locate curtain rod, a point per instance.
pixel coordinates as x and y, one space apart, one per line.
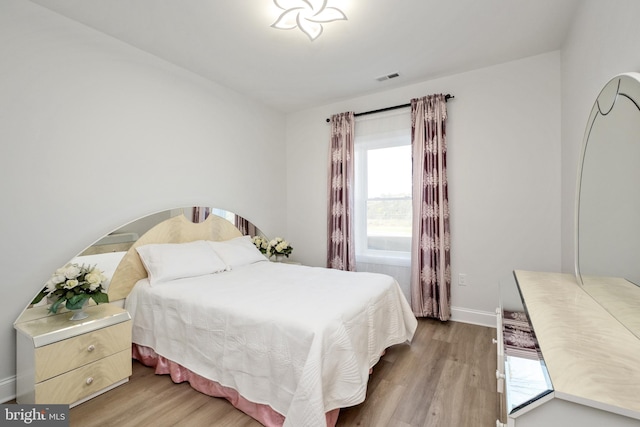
446 98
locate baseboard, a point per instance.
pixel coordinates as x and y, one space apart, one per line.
7 389
475 317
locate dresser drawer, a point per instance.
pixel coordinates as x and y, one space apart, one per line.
63 356
84 381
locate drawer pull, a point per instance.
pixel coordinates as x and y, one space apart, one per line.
499 424
91 348
499 376
89 380
493 340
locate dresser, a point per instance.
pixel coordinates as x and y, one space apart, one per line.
60 361
563 360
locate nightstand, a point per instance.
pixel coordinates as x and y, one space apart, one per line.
60 361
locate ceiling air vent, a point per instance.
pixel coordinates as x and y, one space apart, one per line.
387 77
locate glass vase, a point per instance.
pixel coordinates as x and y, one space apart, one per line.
79 314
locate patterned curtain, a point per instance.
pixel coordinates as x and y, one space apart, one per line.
430 251
245 226
200 214
340 241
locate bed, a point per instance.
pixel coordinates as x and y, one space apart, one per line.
288 344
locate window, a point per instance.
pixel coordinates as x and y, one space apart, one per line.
383 188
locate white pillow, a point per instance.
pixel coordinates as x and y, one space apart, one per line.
238 251
170 261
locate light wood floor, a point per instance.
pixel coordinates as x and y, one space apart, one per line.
446 378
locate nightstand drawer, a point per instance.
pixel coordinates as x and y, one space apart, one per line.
63 356
82 382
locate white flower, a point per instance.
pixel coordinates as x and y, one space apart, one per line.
94 277
83 279
308 15
279 246
72 271
71 283
50 286
58 278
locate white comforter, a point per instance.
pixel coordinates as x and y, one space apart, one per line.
299 339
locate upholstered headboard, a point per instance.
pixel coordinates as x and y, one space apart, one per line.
174 230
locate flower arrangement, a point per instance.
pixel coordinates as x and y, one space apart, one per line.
261 243
279 246
73 285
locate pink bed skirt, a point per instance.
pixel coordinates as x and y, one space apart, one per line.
263 413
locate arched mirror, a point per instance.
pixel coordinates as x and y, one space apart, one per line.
107 251
608 202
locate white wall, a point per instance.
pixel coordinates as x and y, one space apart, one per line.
504 174
95 133
604 42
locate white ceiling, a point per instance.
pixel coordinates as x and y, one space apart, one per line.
232 43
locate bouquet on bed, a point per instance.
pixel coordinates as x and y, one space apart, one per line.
279 246
73 285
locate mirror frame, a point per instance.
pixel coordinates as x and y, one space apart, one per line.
606 96
189 212
619 296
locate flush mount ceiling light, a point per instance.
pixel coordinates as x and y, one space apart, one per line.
308 15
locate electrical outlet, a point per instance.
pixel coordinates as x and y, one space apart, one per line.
462 279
